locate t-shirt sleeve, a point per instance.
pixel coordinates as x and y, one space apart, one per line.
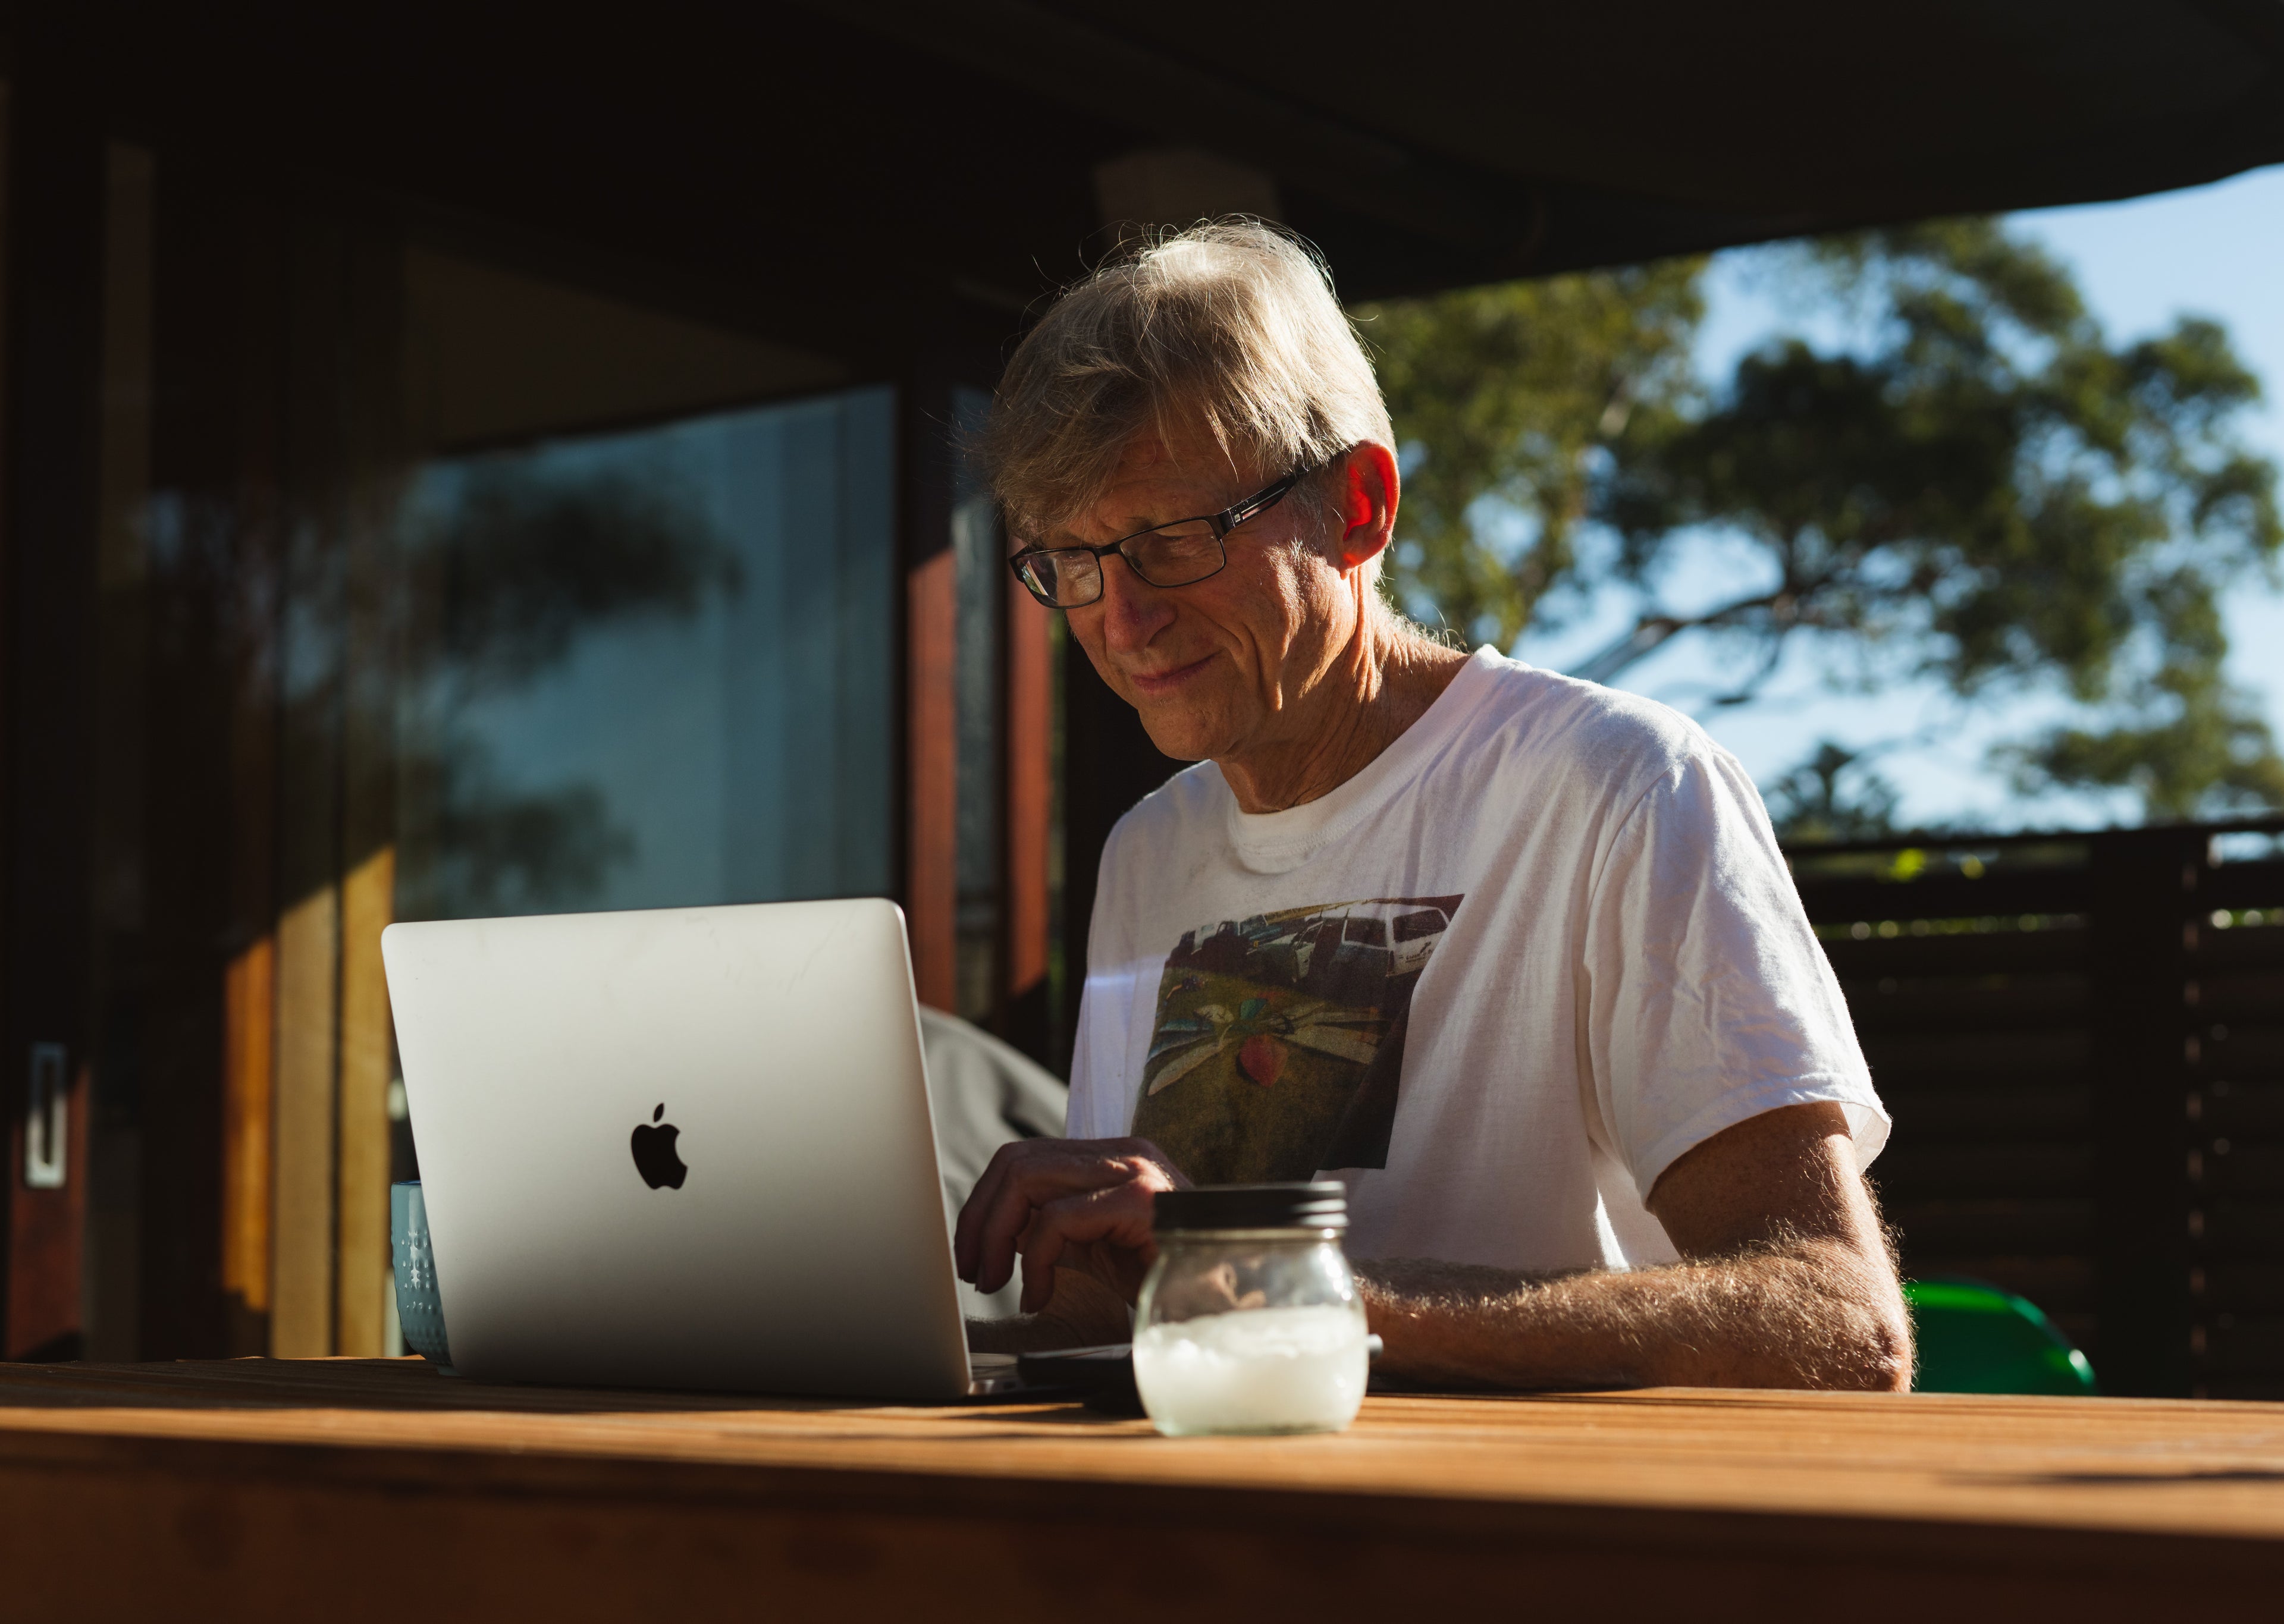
1706 999
1102 1078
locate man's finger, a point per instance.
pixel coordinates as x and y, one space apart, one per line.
968 1237
1118 1216
1002 1218
1046 1170
997 1231
1013 1166
1041 1245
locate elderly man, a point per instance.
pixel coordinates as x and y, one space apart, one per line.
1514 957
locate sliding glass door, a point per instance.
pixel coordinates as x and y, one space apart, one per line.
651 667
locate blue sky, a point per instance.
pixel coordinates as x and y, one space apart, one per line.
2210 250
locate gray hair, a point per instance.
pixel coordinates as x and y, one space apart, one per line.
1230 325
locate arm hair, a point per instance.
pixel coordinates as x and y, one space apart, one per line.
1788 1311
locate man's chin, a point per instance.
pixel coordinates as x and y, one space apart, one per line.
1186 738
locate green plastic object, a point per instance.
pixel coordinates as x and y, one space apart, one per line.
1974 1338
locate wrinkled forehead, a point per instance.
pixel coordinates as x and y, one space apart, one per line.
1159 478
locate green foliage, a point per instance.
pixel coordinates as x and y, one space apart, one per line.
1973 486
2194 743
1505 392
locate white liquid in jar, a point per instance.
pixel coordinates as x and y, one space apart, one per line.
1299 1369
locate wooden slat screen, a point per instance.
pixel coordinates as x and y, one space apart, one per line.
2081 1038
2236 1155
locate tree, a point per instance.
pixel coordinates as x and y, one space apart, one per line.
1970 484
1833 796
1506 394
522 562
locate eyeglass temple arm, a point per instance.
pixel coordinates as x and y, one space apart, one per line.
1230 519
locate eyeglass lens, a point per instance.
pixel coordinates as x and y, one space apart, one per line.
1063 578
1174 557
1177 556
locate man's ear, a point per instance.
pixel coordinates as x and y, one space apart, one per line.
1368 491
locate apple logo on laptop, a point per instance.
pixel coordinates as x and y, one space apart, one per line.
655 1158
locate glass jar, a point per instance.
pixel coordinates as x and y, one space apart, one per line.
1250 1321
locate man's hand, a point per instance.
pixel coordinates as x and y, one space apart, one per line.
1070 1204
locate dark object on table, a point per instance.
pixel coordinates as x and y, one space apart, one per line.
1102 1377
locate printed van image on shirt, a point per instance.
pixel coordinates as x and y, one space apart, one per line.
1279 1039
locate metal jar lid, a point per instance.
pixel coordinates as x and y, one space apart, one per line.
1323 1204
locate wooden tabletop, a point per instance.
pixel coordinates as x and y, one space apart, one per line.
257 1487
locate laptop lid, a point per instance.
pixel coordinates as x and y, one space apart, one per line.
683 1147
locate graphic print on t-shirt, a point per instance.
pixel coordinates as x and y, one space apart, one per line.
1279 1039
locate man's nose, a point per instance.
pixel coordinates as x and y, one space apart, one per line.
1133 611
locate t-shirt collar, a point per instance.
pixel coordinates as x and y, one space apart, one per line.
1276 842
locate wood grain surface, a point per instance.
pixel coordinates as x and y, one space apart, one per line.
349 1488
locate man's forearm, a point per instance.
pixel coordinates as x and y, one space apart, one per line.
1803 1313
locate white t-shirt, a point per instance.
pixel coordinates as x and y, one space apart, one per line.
1496 982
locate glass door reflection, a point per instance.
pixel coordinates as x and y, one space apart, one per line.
651 667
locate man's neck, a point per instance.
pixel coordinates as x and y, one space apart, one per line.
1382 682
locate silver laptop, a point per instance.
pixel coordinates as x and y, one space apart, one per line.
685 1148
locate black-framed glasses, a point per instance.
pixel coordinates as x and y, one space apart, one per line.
1174 555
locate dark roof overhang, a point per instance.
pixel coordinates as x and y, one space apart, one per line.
851 154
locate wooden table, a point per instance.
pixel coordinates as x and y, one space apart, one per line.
352 1490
